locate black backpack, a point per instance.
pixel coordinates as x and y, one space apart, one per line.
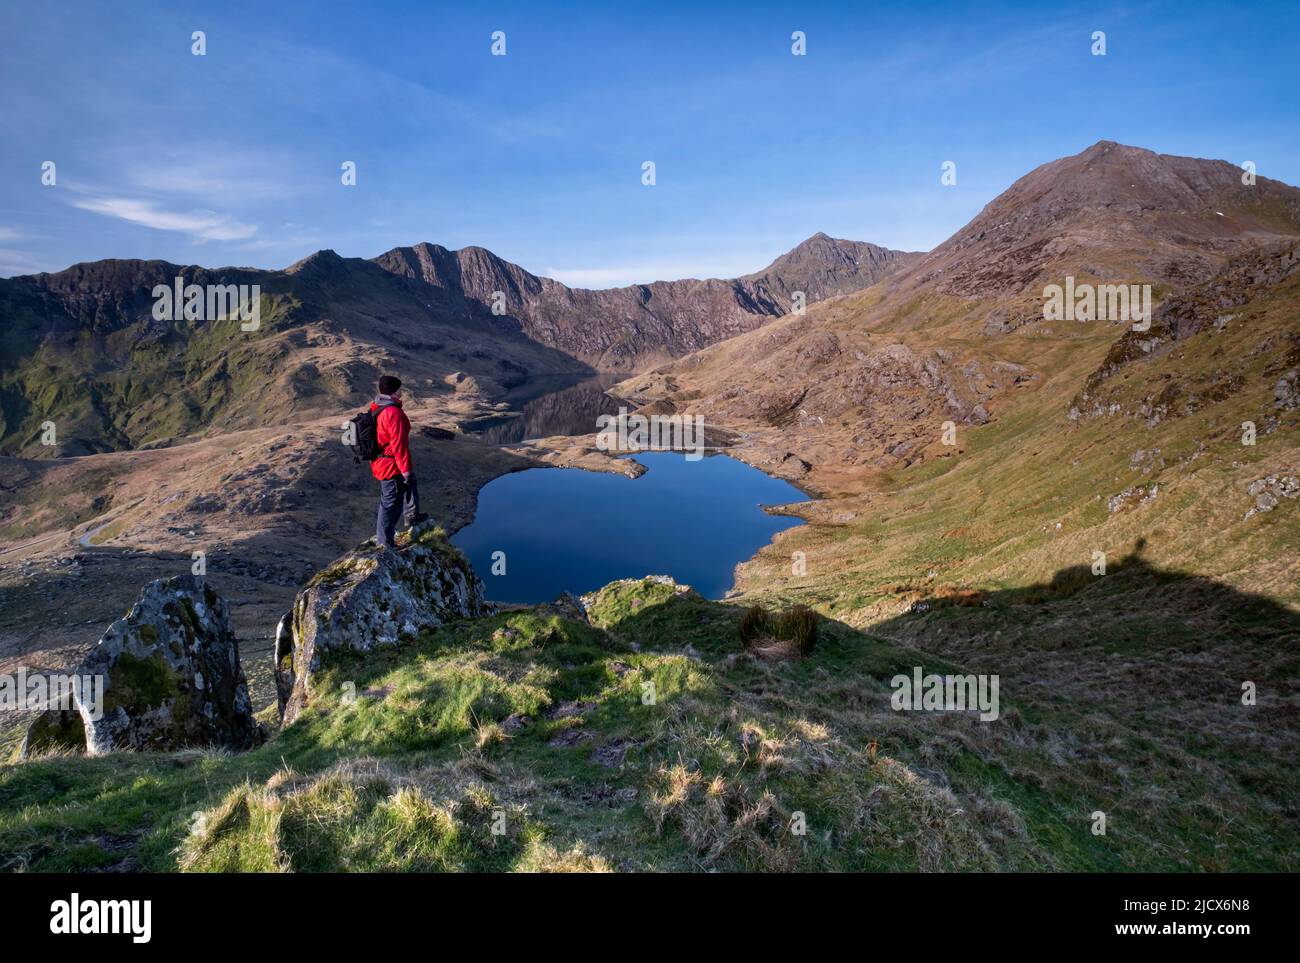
365 429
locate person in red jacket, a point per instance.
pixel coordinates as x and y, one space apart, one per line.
398 492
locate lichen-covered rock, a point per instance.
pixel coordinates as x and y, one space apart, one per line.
171 675
370 598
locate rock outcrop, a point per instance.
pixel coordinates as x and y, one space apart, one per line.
166 676
371 598
1218 310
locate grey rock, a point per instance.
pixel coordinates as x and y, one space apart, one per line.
1270 490
1287 390
1138 494
283 662
374 598
171 678
516 722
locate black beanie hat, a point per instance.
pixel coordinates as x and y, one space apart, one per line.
388 384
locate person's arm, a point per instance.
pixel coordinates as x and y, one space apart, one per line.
399 447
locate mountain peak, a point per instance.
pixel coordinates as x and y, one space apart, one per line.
831 259
819 241
325 259
1114 210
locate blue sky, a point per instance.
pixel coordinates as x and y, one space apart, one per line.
234 157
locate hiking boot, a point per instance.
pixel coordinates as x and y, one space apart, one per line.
416 521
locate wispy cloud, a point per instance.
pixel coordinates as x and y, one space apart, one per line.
232 173
202 225
13 263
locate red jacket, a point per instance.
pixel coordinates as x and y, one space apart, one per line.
393 430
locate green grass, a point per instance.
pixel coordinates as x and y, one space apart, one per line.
127 387
650 741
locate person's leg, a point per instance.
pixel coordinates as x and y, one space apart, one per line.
390 506
405 523
411 501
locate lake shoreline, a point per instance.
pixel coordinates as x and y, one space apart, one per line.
700 530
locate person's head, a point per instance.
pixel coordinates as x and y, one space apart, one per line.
389 385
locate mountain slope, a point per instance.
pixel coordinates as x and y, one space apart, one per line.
81 349
1111 211
1050 422
868 380
824 267
1113 532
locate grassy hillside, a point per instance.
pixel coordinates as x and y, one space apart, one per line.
1119 441
81 349
540 725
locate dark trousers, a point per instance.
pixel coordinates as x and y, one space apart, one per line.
396 498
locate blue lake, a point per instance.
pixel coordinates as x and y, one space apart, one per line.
565 529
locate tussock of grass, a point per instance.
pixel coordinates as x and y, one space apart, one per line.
362 815
786 635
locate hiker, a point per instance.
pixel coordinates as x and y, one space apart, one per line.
398 492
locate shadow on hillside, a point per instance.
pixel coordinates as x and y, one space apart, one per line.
1135 608
1169 696
1157 669
1147 655
1171 603
1130 588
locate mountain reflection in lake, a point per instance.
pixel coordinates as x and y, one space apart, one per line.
564 529
553 406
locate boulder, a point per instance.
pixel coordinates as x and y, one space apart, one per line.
372 598
170 675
